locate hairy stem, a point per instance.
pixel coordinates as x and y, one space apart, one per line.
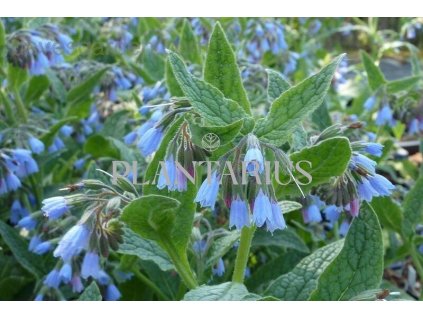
241 260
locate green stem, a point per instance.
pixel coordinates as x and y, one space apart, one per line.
20 106
182 265
417 264
150 284
7 108
241 260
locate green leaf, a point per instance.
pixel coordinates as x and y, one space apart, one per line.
80 93
99 146
272 269
404 84
151 216
16 76
48 137
294 105
225 134
31 262
13 277
359 265
185 213
388 212
188 44
374 74
302 280
286 238
56 85
171 82
221 246
91 293
321 118
36 87
206 99
328 158
147 250
413 208
221 69
276 85
289 206
3 48
226 291
35 23
299 138
153 64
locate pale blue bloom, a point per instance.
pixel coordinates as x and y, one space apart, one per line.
373 148
254 160
55 207
90 265
53 279
262 210
27 222
219 268
36 145
370 102
207 194
239 215
112 293
277 222
66 273
73 242
43 248
385 116
150 141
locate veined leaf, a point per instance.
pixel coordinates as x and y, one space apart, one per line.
276 84
188 44
413 208
374 74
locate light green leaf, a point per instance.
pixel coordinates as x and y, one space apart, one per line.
359 265
3 48
221 69
188 44
328 158
153 64
16 76
91 293
374 74
171 82
413 208
321 118
206 99
404 84
302 280
289 206
56 85
225 134
36 87
99 146
388 212
272 269
48 137
226 291
276 85
82 91
147 250
31 262
221 246
151 216
283 238
294 105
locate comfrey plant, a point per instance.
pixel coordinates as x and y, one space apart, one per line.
181 177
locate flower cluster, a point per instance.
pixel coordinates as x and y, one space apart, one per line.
38 50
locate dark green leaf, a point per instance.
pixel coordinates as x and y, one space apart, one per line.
294 105
188 44
225 291
285 238
221 69
413 208
359 265
36 87
82 91
276 85
388 212
99 146
374 74
91 293
19 248
171 82
302 280
147 250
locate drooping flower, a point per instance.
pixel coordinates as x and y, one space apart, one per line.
262 210
370 102
36 145
112 293
27 222
277 222
66 273
17 211
150 141
73 242
53 279
254 160
331 213
239 215
167 177
385 116
311 214
35 240
55 207
219 268
90 265
374 149
43 248
76 283
207 194
382 185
